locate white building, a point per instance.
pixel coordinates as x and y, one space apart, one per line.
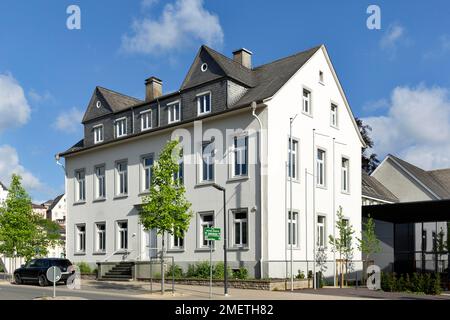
57 212
106 172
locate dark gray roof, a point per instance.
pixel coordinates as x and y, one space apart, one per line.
55 202
438 181
262 82
373 188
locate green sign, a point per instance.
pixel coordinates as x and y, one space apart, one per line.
212 234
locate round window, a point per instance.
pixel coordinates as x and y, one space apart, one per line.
204 67
99 104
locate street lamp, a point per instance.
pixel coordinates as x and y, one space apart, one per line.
225 244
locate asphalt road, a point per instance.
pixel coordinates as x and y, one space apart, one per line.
29 292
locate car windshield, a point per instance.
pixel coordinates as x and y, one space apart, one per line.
31 263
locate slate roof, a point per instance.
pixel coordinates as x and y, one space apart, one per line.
55 202
3 186
373 188
262 82
438 181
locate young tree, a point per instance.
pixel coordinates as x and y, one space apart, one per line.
370 161
22 232
368 243
166 209
342 244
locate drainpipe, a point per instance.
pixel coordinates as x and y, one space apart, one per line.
260 148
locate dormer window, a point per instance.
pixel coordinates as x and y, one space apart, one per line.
174 111
98 133
121 127
203 103
146 120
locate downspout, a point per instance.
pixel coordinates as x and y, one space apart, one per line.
261 187
334 210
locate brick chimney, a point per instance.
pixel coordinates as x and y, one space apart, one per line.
244 57
153 88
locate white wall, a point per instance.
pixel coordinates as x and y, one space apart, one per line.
285 104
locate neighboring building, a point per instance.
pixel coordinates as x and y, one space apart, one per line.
3 193
57 212
40 209
374 192
407 244
108 171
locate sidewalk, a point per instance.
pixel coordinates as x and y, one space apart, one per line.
189 292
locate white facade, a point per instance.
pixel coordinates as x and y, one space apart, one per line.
58 213
339 139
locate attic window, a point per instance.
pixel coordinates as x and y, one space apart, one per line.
321 76
99 104
204 67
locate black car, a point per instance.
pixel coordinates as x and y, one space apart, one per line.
36 271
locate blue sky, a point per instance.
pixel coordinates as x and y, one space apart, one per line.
395 78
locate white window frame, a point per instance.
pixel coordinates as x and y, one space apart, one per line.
98 133
177 243
345 175
334 115
295 222
100 182
307 99
240 152
120 231
202 225
80 185
321 163
321 241
80 241
295 155
118 123
199 103
171 112
240 222
144 170
119 175
146 120
211 176
180 174
100 237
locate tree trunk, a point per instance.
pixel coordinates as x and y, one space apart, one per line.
162 264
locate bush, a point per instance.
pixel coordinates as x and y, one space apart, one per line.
426 283
201 270
300 275
174 270
219 271
84 267
241 273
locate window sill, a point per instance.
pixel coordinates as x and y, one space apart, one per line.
175 250
79 254
203 114
322 83
204 184
334 127
99 200
78 203
237 179
99 253
124 251
307 114
345 192
293 180
321 187
172 122
238 249
204 249
143 193
123 196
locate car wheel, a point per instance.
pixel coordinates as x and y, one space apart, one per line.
42 280
18 279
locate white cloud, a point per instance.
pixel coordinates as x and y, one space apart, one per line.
40 97
14 108
442 49
392 36
180 24
69 122
146 4
416 126
9 164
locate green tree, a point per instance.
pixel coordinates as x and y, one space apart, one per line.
22 232
342 244
368 244
166 208
369 161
